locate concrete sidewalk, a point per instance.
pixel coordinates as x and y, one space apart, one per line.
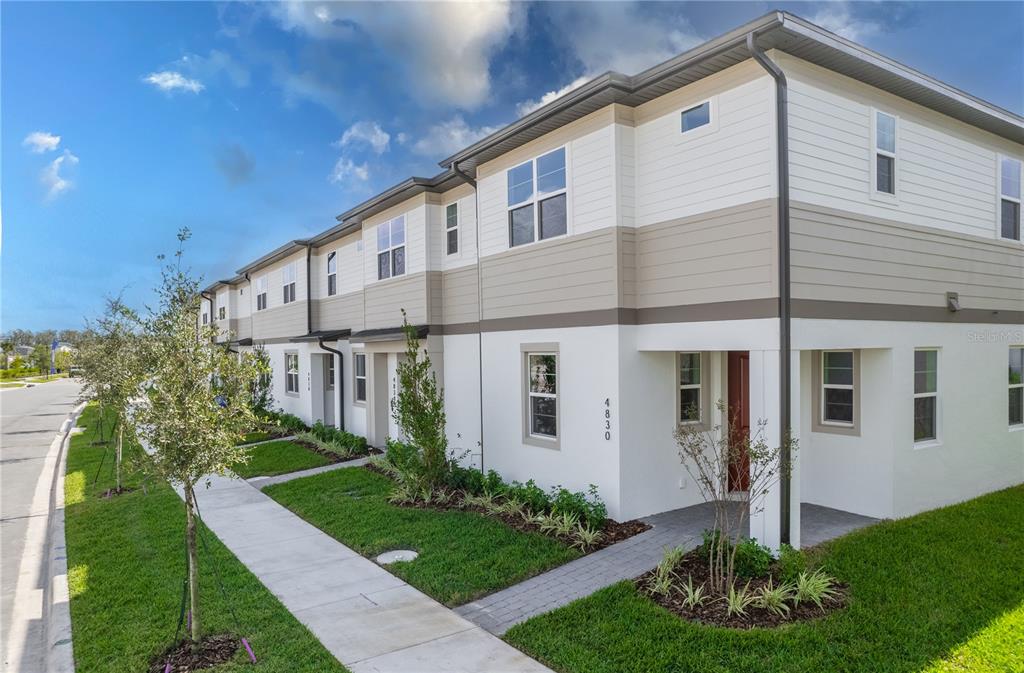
263 482
366 617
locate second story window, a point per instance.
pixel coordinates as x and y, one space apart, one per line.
221 313
261 293
391 248
885 153
696 117
451 227
1009 198
537 199
288 274
332 274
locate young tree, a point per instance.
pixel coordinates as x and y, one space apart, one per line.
709 457
62 360
7 347
418 407
199 402
120 368
40 358
95 361
262 390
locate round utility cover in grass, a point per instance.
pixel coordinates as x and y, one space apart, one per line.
396 555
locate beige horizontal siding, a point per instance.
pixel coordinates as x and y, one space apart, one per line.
459 296
339 312
386 299
577 273
288 320
723 255
842 256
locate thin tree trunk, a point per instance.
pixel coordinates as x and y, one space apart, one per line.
193 564
120 444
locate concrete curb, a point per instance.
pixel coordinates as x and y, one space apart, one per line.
60 656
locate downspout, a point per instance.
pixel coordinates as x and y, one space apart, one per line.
785 385
479 305
309 290
252 309
205 295
338 380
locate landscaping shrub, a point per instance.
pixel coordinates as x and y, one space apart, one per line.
493 483
752 559
587 506
531 495
405 457
791 563
466 479
348 443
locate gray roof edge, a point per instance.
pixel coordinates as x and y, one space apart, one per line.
274 255
762 26
417 184
819 34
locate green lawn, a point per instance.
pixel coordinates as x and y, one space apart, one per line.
463 555
255 436
11 384
936 593
278 458
126 565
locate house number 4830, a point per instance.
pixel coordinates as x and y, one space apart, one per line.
607 419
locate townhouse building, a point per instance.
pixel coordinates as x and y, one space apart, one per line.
822 239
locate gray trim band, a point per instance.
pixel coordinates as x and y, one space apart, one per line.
846 310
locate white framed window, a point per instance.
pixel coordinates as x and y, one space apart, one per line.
391 248
837 388
261 293
206 318
691 397
541 398
332 274
330 372
884 166
695 117
451 228
222 312
1016 390
288 275
359 375
926 395
537 199
1009 198
291 373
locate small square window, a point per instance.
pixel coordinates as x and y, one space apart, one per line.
696 117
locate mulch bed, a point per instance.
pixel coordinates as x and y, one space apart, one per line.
111 492
612 532
713 611
212 651
331 455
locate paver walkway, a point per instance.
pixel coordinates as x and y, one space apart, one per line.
502 610
366 617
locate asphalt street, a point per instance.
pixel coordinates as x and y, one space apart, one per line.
29 420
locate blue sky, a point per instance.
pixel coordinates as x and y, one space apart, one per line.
254 124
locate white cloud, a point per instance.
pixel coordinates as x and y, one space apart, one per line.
41 141
209 67
838 17
444 47
51 177
448 137
369 133
345 168
528 106
625 37
402 138
169 81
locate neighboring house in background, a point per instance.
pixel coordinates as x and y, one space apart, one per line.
845 260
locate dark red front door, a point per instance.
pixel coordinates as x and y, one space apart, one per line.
739 418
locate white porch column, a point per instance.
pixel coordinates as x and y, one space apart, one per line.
795 424
766 511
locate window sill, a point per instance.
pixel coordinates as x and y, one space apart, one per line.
1016 428
927 444
532 440
522 246
359 403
